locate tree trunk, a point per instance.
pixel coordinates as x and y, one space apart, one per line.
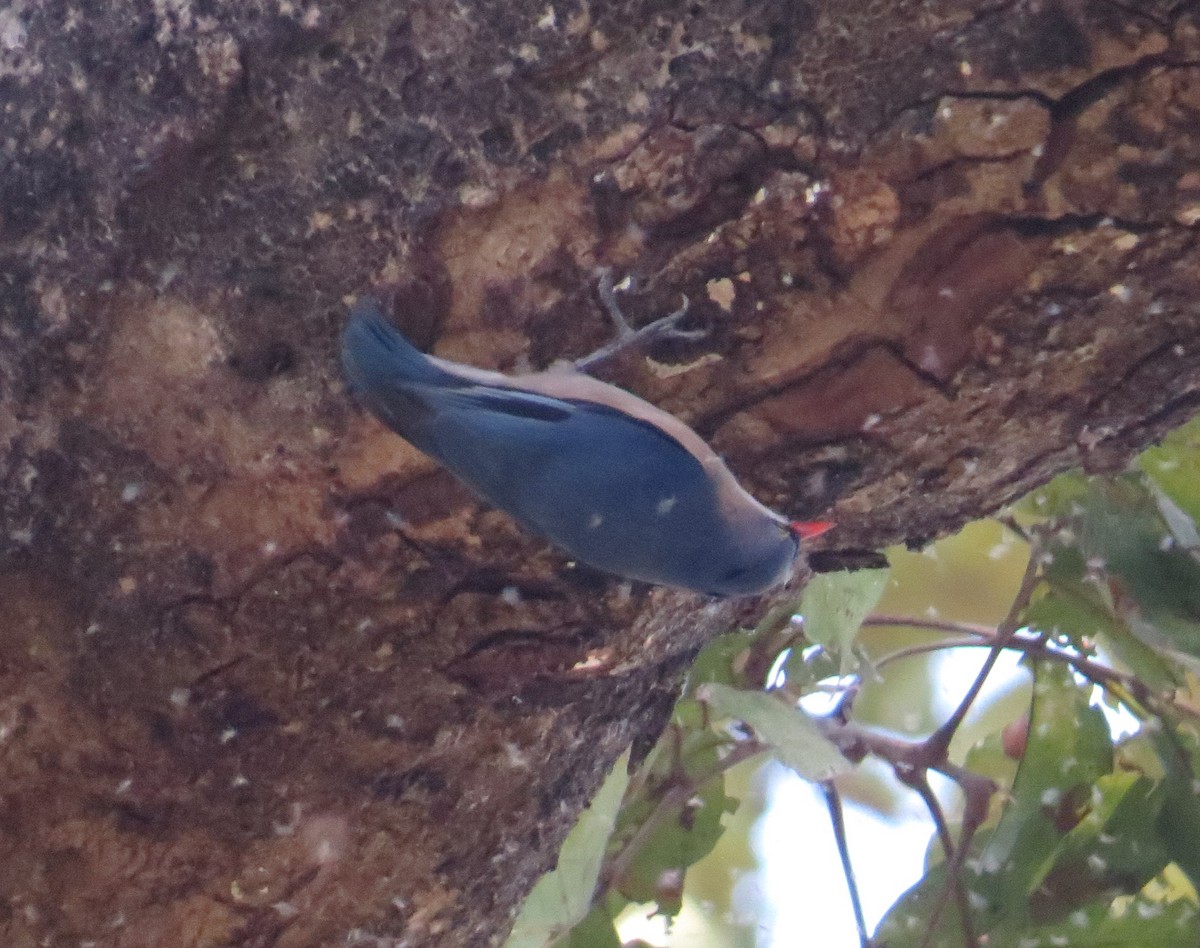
267 675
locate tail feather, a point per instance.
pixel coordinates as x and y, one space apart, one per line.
377 358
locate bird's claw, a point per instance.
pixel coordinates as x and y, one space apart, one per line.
665 328
608 297
668 326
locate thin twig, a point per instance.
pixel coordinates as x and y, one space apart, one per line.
833 800
935 625
954 857
934 750
938 743
925 648
911 761
1036 646
1006 520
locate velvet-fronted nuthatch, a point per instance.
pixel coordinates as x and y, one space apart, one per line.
614 481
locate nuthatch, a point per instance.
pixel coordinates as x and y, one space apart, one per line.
617 483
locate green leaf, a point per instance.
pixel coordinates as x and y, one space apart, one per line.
1179 753
597 930
689 753
1009 874
1125 551
795 739
1158 585
1115 848
1059 498
1172 466
1069 748
718 661
805 669
1137 921
1079 610
988 759
1182 526
1125 923
907 921
683 838
835 605
563 896
1069 609
1099 561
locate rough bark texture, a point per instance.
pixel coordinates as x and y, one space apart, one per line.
267 677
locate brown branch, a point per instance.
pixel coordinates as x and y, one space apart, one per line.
935 625
1123 685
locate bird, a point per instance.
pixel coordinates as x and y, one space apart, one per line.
604 475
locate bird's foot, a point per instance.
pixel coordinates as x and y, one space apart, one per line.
665 328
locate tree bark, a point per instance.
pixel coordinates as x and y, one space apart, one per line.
267 676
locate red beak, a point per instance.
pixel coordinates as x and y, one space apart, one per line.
807 529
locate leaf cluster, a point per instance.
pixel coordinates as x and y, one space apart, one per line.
1074 831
